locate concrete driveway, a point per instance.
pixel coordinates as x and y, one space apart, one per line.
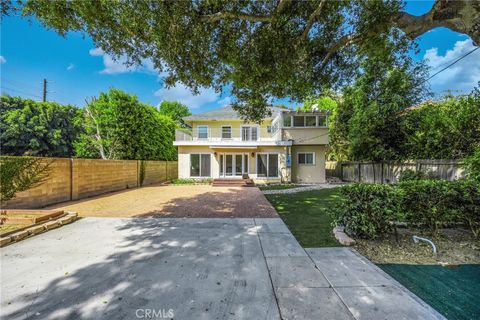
127 268
181 201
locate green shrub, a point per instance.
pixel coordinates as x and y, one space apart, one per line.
467 202
409 175
20 174
431 203
366 210
472 166
192 181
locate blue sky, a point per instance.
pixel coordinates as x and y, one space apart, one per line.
76 70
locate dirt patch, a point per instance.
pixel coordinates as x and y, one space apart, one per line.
196 201
455 246
10 227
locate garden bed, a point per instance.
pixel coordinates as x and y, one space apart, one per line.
454 246
278 186
17 225
27 217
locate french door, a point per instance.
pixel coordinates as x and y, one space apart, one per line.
233 165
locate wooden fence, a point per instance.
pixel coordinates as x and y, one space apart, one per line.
74 179
389 171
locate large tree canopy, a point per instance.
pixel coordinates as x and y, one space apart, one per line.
262 49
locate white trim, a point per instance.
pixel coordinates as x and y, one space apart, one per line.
200 165
198 132
278 176
305 153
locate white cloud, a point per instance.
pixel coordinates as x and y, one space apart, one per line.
112 66
71 66
184 95
2 60
225 101
463 76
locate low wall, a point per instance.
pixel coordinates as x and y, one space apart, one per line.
74 179
389 171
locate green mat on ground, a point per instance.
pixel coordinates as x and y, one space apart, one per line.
452 291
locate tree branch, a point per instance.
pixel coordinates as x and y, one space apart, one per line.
461 16
312 19
342 42
234 15
282 4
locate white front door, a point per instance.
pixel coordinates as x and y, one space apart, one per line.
233 165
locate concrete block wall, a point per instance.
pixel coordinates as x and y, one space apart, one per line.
74 179
55 189
155 172
92 176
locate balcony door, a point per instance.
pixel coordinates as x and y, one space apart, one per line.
233 165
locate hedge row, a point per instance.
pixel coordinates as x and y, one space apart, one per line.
369 210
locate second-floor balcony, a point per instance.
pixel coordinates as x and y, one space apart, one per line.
228 134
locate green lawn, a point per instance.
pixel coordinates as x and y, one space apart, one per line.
305 214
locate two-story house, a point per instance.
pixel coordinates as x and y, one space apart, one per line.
289 146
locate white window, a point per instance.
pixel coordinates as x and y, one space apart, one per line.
226 132
322 121
298 121
249 133
287 121
202 132
310 121
267 165
306 158
200 165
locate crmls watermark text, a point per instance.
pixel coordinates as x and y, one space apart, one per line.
154 313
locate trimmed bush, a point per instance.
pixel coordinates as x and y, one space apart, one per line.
430 203
467 203
367 210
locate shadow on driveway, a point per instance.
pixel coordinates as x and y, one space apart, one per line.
114 268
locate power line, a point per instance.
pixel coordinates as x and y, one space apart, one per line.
21 92
451 64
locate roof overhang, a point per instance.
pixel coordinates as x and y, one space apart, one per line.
234 144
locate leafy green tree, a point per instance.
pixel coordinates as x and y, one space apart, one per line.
35 128
118 126
262 49
175 110
446 129
377 96
20 174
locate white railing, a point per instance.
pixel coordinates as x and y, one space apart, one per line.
234 134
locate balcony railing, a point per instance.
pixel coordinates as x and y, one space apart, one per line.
223 134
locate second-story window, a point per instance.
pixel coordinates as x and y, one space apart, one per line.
287 121
299 121
249 133
226 132
202 132
310 121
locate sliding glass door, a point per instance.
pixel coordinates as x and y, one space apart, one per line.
200 165
267 165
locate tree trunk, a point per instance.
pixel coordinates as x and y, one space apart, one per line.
460 15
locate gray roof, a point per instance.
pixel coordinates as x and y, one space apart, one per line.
225 113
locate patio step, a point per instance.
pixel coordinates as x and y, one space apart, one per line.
233 183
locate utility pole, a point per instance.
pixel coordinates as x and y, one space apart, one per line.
44 90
